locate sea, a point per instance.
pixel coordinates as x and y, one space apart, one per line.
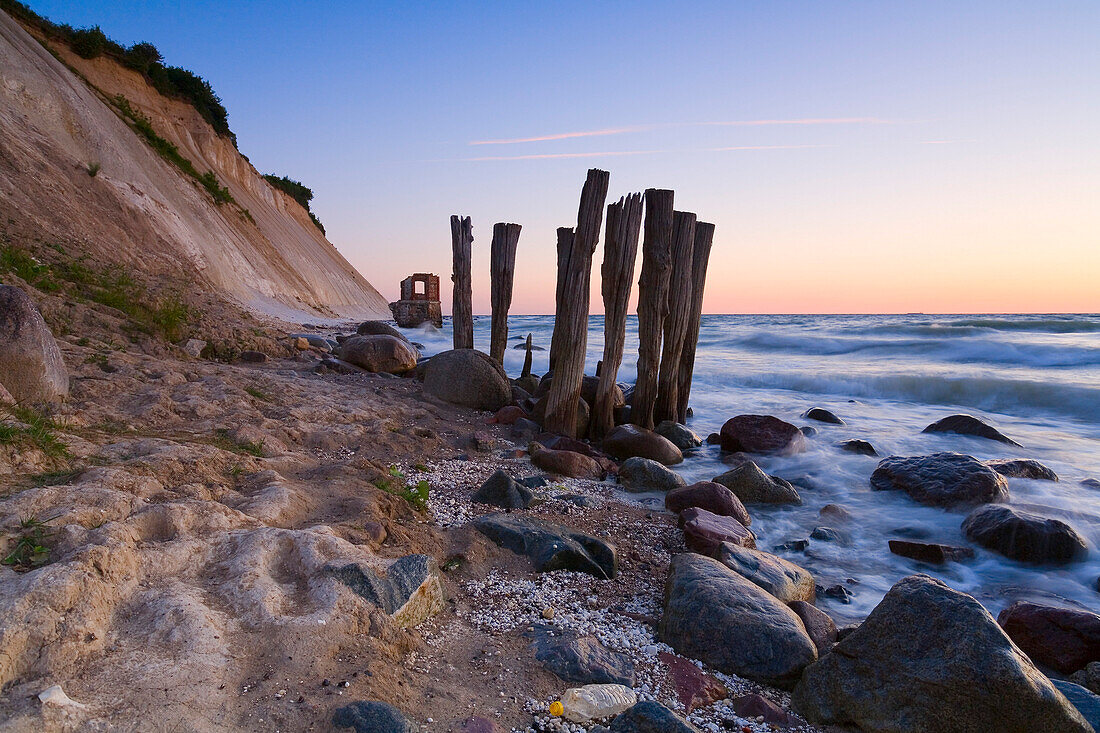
1034 377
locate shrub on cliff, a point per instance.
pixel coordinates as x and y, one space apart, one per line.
88 43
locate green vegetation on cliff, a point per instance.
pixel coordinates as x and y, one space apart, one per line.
297 191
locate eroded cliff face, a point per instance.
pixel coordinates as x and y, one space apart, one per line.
140 210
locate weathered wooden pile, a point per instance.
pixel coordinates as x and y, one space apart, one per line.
675 253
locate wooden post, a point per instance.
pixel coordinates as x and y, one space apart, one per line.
462 309
527 359
652 301
624 223
565 245
502 268
676 322
704 236
572 317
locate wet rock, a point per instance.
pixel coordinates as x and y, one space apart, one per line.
565 462
714 439
718 617
758 706
1063 639
827 534
678 434
793 546
929 658
835 511
761 434
1091 483
1022 535
1022 468
839 592
579 660
968 425
503 491
822 415
561 442
808 430
410 591
252 357
752 486
550 546
379 328
694 688
941 479
469 378
643 474
782 579
715 498
379 354
1086 702
819 625
860 447
373 717
1089 677
649 716
631 441
583 413
930 552
508 415
31 367
704 532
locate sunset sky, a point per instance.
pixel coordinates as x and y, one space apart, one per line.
854 157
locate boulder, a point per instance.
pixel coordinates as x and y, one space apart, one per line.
860 447
758 707
379 354
941 479
968 425
678 434
550 546
694 688
523 430
650 716
508 415
819 625
503 491
929 658
1089 677
704 532
469 378
1022 535
565 462
1086 702
1091 483
752 486
579 660
643 474
1022 468
822 415
528 384
630 441
715 498
373 717
761 434
782 579
410 591
930 552
1063 639
538 413
31 367
808 430
718 617
379 328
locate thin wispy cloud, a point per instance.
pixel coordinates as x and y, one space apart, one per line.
614 153
670 125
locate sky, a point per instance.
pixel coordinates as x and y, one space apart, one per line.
855 157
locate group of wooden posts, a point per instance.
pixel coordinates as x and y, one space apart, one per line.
675 252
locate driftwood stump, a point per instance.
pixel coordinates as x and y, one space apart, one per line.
565 246
676 322
624 223
502 269
704 236
527 359
652 301
462 309
572 317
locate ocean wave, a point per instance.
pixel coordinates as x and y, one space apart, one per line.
989 393
1047 325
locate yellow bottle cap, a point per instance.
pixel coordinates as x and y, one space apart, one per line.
556 708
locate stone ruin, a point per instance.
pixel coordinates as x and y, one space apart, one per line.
419 301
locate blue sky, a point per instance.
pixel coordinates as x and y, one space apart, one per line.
934 156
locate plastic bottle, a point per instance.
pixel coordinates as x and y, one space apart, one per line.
592 702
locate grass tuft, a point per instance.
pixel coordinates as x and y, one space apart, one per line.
30 550
416 494
30 429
